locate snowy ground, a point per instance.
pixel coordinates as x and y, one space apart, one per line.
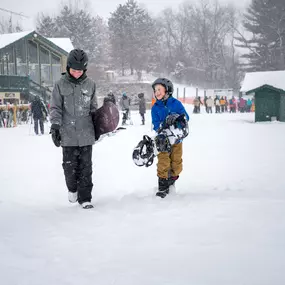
225 226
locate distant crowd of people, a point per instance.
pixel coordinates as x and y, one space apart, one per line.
222 104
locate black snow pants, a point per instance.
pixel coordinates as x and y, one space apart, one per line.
143 118
77 166
36 125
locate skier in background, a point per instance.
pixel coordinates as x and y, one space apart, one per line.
39 112
125 103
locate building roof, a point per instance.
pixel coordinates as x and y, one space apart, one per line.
254 80
7 39
64 43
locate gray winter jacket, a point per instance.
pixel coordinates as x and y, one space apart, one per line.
125 103
142 106
71 106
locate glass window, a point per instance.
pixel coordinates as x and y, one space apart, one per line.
56 68
11 60
1 63
21 58
45 67
33 62
8 58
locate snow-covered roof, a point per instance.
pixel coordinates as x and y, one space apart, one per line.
6 39
63 43
255 80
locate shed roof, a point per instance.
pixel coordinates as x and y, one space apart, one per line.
265 86
255 80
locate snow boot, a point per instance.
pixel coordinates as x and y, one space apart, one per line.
163 187
172 180
87 205
72 197
171 183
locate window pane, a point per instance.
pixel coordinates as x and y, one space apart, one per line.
33 62
21 58
45 67
56 68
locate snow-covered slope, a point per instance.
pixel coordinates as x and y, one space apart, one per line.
225 226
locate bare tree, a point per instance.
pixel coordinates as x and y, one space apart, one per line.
197 42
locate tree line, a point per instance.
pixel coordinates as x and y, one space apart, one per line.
203 43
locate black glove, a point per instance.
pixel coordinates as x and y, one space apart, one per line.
171 119
55 134
162 143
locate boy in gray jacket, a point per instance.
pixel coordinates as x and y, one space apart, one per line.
72 104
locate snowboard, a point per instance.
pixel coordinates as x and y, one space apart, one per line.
105 119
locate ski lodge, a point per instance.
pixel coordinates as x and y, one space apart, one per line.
30 64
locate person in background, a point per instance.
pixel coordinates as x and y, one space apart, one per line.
110 97
39 112
210 104
125 103
217 104
142 106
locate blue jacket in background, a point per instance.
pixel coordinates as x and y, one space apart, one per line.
161 109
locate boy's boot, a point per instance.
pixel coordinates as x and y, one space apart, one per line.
171 183
163 187
172 180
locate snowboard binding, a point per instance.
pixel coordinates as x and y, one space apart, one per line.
173 130
144 152
175 127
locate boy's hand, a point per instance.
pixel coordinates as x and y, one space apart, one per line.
162 143
170 120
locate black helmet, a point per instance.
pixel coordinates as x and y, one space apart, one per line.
77 59
164 82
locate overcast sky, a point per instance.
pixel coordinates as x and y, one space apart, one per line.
101 7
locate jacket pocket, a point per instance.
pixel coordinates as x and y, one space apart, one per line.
84 103
68 100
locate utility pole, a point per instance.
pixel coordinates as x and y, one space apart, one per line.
14 13
11 14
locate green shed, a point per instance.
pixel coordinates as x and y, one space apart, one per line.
269 103
268 90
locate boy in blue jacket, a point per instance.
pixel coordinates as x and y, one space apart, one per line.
164 112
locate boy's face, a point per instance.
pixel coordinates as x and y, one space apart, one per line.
159 91
75 73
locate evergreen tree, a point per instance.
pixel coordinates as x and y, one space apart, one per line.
47 26
132 33
265 21
84 30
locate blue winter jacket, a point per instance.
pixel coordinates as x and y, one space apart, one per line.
161 109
